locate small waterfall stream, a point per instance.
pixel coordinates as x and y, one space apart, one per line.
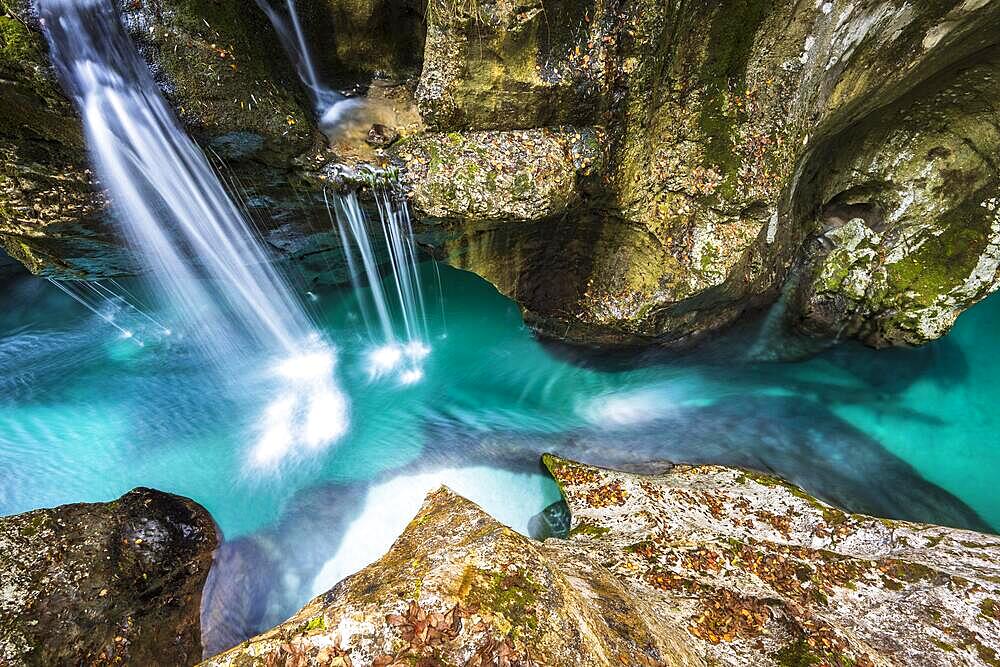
204 259
394 351
330 106
403 349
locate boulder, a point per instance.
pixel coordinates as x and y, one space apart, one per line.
105 583
458 588
758 572
688 565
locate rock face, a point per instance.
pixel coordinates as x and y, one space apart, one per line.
105 583
759 573
694 566
734 131
458 588
214 62
49 210
629 172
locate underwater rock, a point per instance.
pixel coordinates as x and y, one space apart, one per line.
692 566
462 589
758 572
105 583
553 521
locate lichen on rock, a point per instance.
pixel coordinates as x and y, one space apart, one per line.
458 588
760 573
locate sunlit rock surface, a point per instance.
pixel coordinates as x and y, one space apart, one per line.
758 572
459 588
105 583
730 128
693 566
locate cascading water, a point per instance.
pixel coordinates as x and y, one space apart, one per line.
330 106
201 255
394 349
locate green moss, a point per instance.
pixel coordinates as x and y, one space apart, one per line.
18 45
318 623
944 646
990 609
943 262
512 594
584 528
798 654
734 26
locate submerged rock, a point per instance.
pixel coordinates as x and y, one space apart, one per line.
693 566
105 583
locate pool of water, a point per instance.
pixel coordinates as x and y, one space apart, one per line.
86 413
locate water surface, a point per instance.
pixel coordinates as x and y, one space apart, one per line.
86 414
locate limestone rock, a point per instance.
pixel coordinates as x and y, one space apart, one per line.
221 66
105 583
726 125
758 572
512 64
926 191
458 588
471 178
697 565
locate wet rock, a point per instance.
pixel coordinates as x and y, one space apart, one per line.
382 135
910 231
105 583
553 521
758 572
458 588
220 64
50 210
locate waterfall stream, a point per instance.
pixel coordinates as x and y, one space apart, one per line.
330 106
203 259
394 350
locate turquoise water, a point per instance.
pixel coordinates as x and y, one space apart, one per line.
86 414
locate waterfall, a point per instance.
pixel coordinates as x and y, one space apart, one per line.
201 256
380 296
330 106
402 350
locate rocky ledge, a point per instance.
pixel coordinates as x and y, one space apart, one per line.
106 583
628 172
693 566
